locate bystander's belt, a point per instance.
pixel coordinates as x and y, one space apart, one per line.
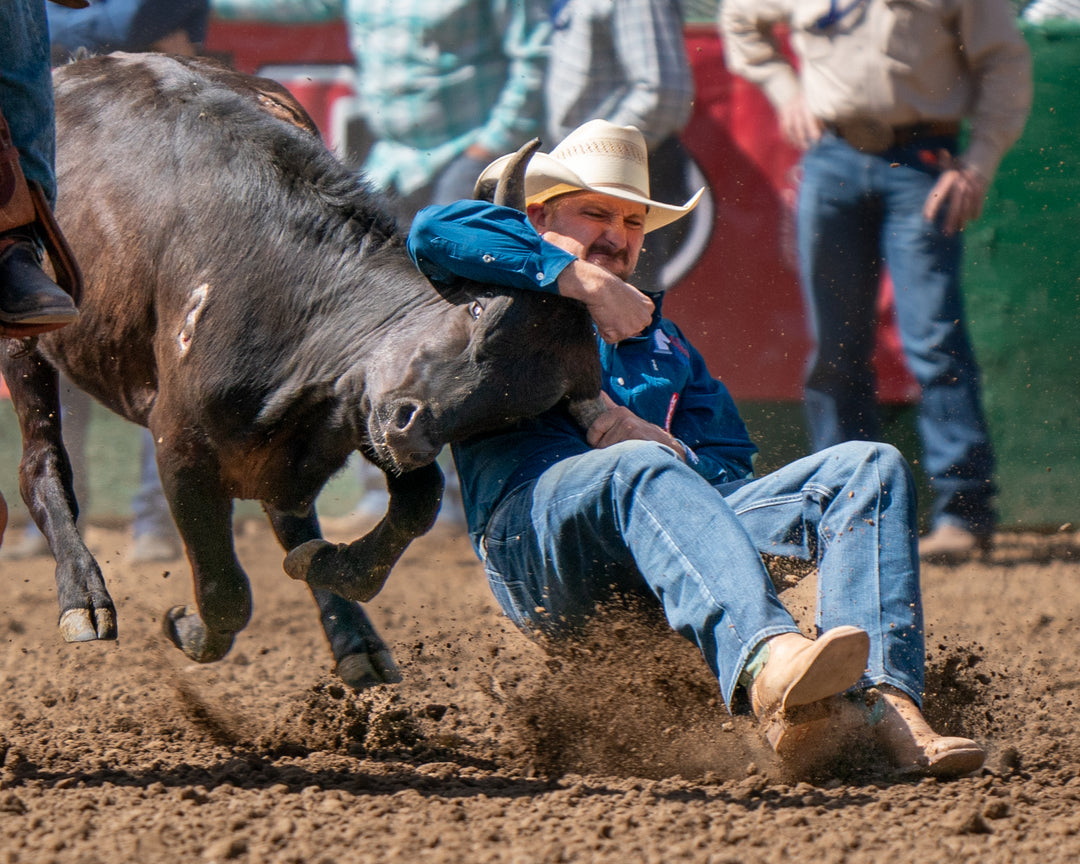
872 136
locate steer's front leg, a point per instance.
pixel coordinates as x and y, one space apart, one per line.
358 570
45 481
202 510
363 659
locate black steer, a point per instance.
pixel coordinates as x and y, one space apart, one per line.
248 299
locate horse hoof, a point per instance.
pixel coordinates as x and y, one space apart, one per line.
86 625
185 629
361 671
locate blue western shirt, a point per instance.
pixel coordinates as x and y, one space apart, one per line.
658 375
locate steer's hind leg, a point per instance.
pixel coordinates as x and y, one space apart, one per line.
358 570
203 514
45 482
363 658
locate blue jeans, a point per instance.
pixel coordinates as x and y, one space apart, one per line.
634 520
26 95
858 212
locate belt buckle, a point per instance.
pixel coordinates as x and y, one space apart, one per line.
866 134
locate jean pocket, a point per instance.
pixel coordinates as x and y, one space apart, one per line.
513 598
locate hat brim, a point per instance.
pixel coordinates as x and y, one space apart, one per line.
546 178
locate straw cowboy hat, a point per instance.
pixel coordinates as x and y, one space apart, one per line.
596 157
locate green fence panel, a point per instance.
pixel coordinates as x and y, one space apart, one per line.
1022 289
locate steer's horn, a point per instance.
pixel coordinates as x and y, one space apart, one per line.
509 189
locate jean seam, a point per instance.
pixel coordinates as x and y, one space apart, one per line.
827 494
678 553
880 658
727 688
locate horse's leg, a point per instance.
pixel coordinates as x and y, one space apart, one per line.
358 570
363 658
45 482
202 511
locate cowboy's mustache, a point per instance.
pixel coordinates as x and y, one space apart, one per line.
608 250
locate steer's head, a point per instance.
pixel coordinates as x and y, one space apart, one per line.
476 358
477 362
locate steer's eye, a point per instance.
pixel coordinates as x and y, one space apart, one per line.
476 310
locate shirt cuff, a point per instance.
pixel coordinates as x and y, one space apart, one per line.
553 261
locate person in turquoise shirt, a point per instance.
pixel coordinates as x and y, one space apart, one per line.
657 499
444 86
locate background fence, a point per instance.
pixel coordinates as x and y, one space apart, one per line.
740 301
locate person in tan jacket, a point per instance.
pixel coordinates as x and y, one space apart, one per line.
876 104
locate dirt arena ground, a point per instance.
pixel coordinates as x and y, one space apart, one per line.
492 750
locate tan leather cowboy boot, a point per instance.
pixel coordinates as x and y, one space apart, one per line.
798 675
913 746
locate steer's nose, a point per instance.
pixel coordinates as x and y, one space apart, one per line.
406 433
404 414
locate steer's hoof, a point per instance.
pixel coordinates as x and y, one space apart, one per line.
185 629
299 560
361 671
336 567
86 625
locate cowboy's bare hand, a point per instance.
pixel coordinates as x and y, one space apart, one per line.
618 308
961 191
619 423
797 123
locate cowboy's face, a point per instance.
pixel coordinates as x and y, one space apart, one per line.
598 228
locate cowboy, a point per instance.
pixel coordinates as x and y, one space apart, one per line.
657 498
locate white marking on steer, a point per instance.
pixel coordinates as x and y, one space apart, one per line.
195 308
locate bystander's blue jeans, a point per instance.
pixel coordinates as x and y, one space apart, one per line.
26 95
149 505
858 211
633 519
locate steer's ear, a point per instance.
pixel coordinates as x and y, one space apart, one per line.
509 189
